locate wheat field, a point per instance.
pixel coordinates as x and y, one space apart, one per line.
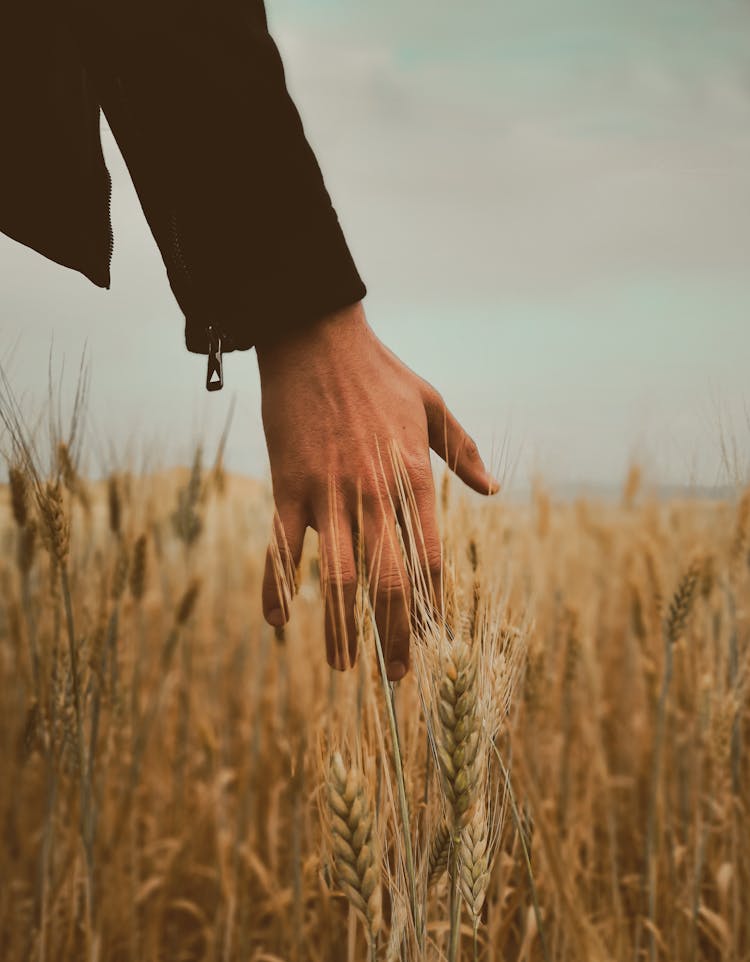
562 775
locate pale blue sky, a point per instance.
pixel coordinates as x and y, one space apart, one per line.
548 202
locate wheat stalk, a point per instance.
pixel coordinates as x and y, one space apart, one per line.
138 568
674 624
114 505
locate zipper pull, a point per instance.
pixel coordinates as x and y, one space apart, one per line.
215 371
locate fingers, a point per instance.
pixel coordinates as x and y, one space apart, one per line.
389 588
424 539
282 560
455 447
338 582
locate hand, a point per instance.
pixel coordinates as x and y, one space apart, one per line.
332 396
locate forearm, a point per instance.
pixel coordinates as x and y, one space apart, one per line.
196 97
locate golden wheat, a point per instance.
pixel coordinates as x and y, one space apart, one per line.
159 796
354 841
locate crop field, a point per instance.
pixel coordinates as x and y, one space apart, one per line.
562 775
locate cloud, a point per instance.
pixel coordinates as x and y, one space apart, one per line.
547 202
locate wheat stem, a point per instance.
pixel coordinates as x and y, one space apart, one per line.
524 849
454 904
674 625
398 765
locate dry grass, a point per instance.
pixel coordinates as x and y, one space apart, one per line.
166 757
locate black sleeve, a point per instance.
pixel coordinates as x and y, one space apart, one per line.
195 94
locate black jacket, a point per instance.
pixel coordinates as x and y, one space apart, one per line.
195 95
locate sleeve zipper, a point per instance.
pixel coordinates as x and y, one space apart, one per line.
215 339
215 369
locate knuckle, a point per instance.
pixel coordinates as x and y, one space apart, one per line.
340 573
329 491
377 507
421 477
371 494
433 556
369 481
390 582
289 486
413 461
431 395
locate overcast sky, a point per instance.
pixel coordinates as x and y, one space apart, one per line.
548 202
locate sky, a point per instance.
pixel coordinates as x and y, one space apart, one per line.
548 203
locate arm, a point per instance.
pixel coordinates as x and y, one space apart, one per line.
195 94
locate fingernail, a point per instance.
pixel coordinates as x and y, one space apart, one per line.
494 485
396 670
275 617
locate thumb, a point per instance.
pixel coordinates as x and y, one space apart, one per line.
459 451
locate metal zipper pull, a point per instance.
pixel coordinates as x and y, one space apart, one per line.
215 371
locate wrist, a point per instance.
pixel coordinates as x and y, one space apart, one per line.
321 335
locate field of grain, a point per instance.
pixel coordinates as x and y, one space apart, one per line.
562 776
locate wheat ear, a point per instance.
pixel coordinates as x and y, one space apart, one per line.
352 824
682 602
56 524
474 869
19 494
439 852
458 742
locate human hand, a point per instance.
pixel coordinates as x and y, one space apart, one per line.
333 396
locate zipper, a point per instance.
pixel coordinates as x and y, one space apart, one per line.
111 238
215 339
215 369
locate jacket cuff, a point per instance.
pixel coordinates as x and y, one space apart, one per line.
311 311
314 276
